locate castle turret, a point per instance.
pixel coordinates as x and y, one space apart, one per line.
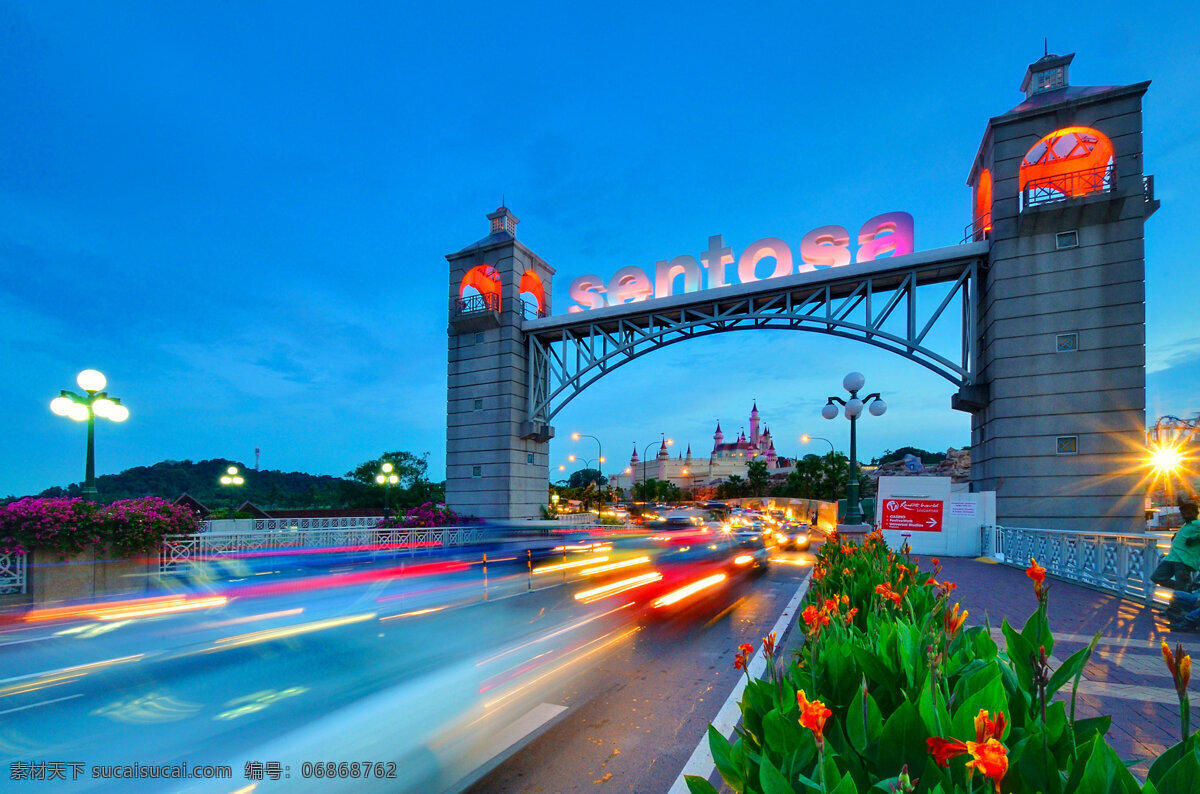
754 425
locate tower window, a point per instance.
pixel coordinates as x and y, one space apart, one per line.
476 471
529 457
1066 343
478 405
1067 445
478 337
1066 240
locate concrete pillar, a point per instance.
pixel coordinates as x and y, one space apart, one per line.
497 465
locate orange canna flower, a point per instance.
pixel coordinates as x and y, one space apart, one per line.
814 617
769 644
850 615
986 728
818 573
845 572
954 620
813 715
936 562
943 750
1038 574
990 758
845 598
739 662
1185 671
1180 666
746 649
831 605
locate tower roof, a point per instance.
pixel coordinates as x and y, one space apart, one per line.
754 409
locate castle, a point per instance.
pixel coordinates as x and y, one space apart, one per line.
725 460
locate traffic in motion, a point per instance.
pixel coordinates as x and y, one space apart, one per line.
343 670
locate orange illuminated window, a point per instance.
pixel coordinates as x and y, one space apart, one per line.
531 284
1073 161
983 204
484 280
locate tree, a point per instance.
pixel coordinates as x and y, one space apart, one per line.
817 478
758 477
584 477
657 491
414 487
733 488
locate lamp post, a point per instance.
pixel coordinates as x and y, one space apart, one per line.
386 477
232 478
853 408
806 438
599 455
97 402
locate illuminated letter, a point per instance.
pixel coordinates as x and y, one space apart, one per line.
771 246
588 292
889 234
715 259
665 273
826 246
630 285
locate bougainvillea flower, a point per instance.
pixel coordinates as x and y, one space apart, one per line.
990 758
813 715
943 750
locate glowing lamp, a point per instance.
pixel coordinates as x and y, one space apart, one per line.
574 436
78 412
393 479
91 380
1166 459
379 478
118 413
232 470
102 407
61 406
387 468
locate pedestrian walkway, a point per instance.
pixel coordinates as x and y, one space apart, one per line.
1126 677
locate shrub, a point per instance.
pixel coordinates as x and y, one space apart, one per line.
67 527
891 693
135 527
427 515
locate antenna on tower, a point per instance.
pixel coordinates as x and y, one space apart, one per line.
257 452
1045 45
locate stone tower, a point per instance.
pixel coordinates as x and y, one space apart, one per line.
497 463
1058 408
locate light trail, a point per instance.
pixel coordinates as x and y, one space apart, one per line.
596 593
562 566
676 596
614 566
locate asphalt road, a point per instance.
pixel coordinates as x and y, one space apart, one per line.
635 717
362 663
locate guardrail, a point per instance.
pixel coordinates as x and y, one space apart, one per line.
1116 563
183 552
12 573
1061 187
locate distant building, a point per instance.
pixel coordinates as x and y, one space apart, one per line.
726 459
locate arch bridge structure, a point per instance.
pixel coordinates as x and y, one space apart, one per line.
1036 321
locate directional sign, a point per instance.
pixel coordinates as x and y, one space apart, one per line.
911 515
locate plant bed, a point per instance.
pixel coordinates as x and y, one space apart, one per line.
891 693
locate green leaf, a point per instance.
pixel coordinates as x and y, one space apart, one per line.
991 697
1172 755
1184 776
771 780
1085 730
1020 654
1105 774
901 742
863 721
731 773
1035 765
780 733
845 786
698 785
1070 668
1037 632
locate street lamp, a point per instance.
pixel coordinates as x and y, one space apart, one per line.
386 477
231 478
853 408
806 438
599 455
80 408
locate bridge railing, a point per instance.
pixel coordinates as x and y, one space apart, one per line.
181 553
1116 563
1061 187
13 578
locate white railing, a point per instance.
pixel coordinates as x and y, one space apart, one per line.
1114 562
184 552
12 573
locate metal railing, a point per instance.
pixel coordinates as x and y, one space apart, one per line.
477 303
978 229
1113 562
530 311
13 573
1050 189
181 553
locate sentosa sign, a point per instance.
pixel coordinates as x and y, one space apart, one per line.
889 234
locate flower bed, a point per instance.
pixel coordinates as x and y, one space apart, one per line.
427 515
69 527
891 693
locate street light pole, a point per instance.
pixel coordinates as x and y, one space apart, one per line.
79 407
387 478
646 452
852 383
599 457
232 478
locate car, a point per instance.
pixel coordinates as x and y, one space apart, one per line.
794 536
750 552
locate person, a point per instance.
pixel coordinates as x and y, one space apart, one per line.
1182 561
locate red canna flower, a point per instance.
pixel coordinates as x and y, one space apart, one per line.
954 620
850 615
990 758
986 728
813 715
769 644
1038 574
831 605
943 750
746 649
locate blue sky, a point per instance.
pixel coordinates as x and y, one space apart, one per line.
239 211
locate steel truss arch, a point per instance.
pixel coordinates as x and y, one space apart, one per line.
567 356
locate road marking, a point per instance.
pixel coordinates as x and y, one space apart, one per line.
701 762
43 703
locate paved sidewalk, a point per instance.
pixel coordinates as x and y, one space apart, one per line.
1126 677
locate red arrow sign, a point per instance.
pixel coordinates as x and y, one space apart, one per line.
911 515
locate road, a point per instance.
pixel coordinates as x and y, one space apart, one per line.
360 663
